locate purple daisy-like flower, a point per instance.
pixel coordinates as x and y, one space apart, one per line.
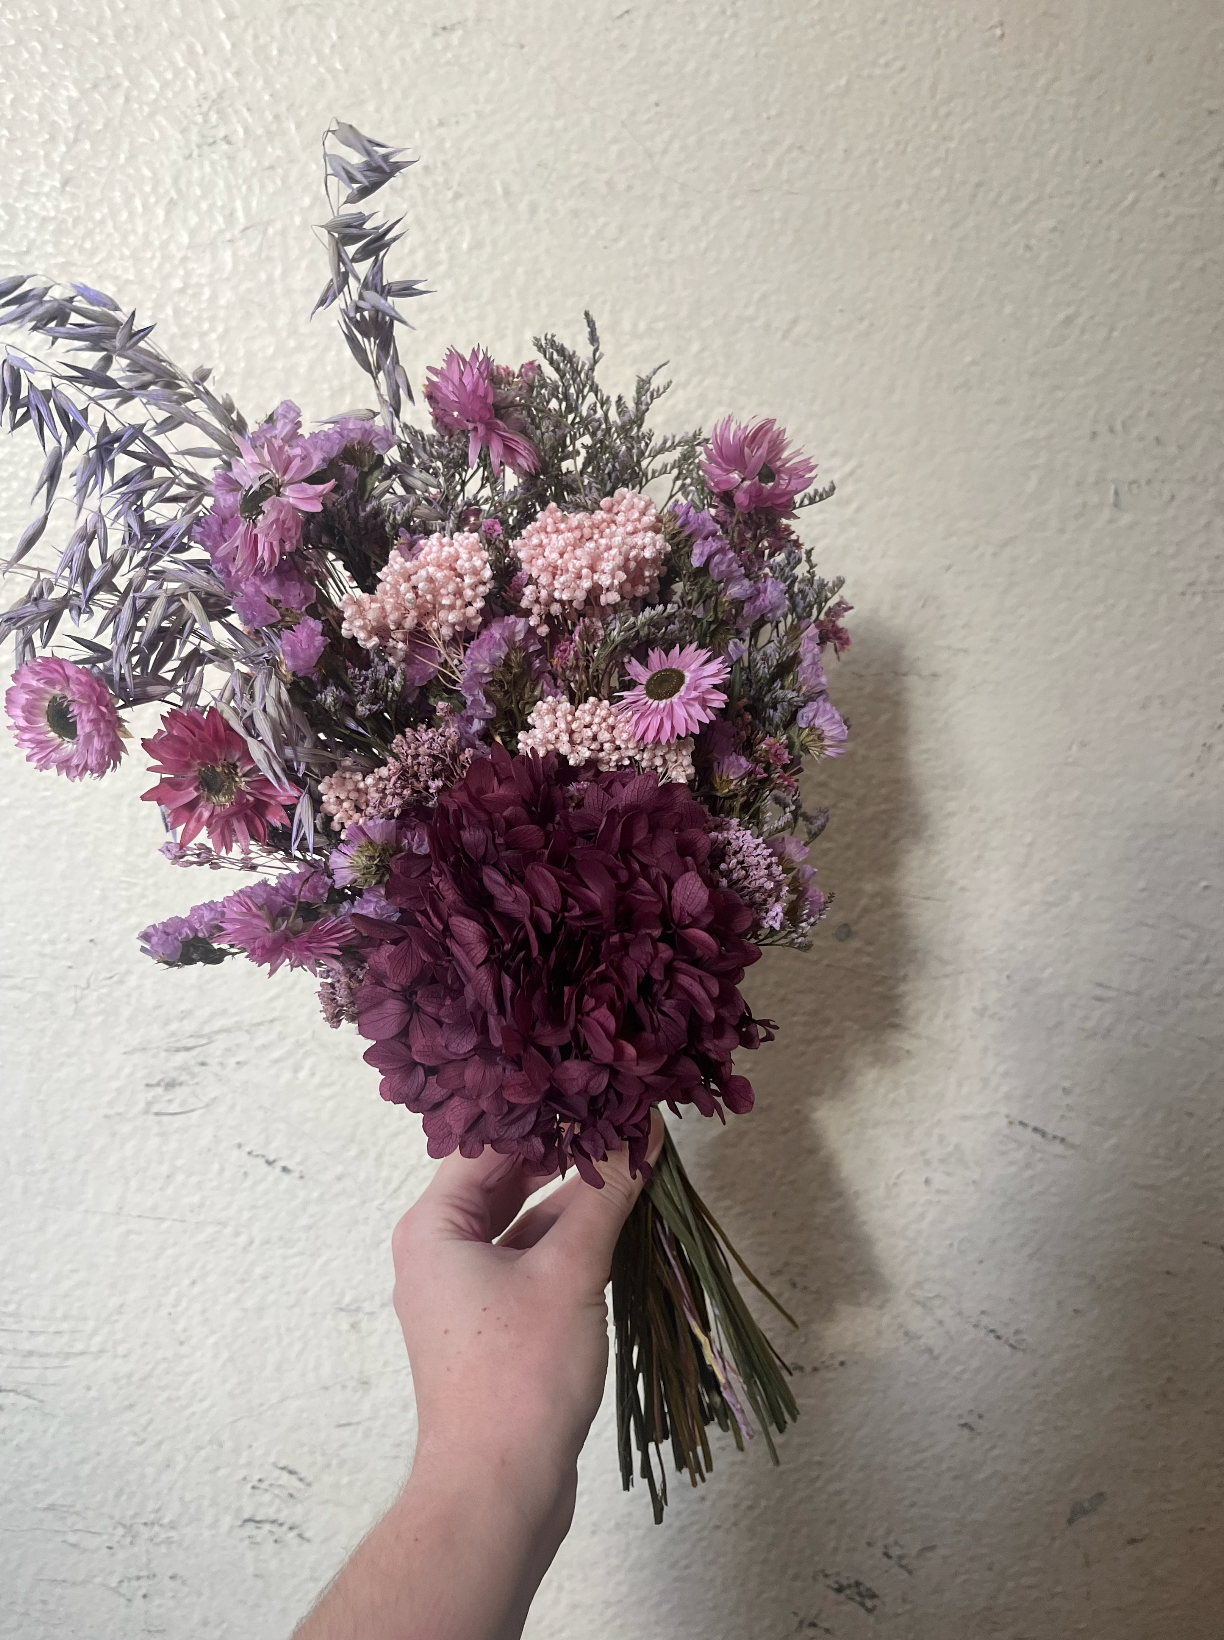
180 941
805 904
349 433
764 600
301 646
826 729
755 466
487 654
64 718
462 398
364 859
675 693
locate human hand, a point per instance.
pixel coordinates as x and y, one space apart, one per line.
506 1325
507 1328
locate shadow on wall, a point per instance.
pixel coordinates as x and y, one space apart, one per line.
769 1177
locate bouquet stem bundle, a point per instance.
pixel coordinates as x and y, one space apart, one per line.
688 1351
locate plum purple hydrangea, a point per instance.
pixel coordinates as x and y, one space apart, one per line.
560 965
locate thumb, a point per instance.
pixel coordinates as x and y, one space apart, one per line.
586 1232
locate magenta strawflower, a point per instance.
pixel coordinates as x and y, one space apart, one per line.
755 466
286 921
212 783
462 398
64 718
675 692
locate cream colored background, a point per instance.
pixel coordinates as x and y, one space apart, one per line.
970 254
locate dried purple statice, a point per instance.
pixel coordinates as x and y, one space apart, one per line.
746 863
424 761
338 996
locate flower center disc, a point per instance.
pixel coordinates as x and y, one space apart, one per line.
663 684
252 504
371 863
61 719
219 783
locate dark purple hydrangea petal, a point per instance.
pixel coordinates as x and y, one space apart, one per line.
565 959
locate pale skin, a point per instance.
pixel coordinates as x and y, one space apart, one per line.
506 1321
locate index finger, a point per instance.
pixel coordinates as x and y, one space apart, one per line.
475 1200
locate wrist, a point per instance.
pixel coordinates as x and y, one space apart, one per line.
500 1483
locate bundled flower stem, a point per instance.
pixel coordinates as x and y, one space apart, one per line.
688 1351
505 713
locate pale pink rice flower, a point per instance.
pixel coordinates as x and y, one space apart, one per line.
675 692
64 718
440 591
585 562
595 731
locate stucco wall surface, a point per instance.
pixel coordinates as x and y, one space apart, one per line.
970 254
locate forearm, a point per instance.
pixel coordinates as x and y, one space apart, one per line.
458 1556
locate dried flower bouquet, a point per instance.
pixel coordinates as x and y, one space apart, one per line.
502 717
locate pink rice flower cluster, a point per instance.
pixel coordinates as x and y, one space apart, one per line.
211 782
342 794
595 731
675 692
477 397
585 562
745 862
64 718
286 921
441 591
755 466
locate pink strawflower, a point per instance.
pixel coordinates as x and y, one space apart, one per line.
675 692
585 562
756 466
212 782
439 592
64 718
462 396
263 496
286 921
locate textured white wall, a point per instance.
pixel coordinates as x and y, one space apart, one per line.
971 255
